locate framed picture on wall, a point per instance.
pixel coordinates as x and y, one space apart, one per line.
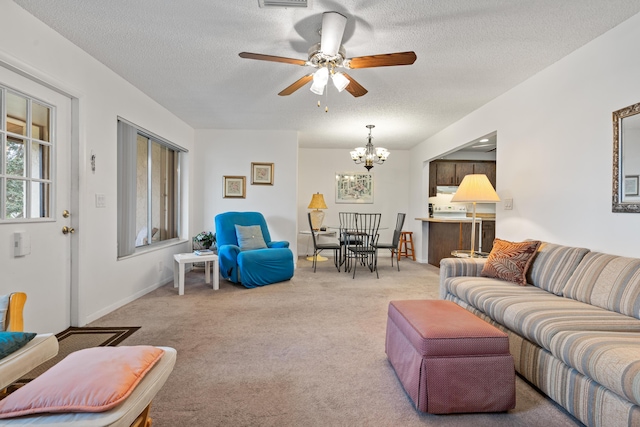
631 185
354 187
261 173
234 187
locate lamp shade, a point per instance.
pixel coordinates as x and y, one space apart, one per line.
476 188
317 202
340 81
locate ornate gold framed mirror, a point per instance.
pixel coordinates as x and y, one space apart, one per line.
626 159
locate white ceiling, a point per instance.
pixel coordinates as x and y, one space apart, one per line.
184 54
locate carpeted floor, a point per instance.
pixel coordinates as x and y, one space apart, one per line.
306 352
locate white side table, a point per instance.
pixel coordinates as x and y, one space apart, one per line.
189 258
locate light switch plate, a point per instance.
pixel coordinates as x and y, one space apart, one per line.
100 201
508 204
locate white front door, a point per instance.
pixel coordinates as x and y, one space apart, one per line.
36 192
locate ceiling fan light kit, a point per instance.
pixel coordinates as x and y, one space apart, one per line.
339 81
368 155
320 79
328 55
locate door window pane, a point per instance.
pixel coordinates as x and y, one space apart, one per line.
39 200
40 161
41 122
15 157
16 198
16 114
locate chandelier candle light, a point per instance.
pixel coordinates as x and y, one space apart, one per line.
369 154
317 216
475 188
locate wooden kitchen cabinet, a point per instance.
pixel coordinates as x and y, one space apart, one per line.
487 168
445 173
488 235
433 166
445 237
462 170
452 172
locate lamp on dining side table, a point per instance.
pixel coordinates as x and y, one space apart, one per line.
317 216
475 188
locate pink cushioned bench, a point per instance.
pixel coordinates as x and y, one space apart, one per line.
448 360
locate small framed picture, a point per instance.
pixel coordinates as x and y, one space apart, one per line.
631 185
234 187
261 173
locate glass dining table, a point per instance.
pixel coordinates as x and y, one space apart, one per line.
358 240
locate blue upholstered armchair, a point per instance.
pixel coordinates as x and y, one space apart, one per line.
246 253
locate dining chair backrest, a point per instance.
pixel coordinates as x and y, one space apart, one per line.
398 230
347 223
367 225
347 220
313 234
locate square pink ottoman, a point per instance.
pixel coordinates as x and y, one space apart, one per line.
448 360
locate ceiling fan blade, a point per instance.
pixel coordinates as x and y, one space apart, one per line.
296 85
333 25
271 58
385 60
354 88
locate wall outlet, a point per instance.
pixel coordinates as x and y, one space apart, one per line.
160 266
508 204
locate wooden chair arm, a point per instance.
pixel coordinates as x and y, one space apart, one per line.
15 320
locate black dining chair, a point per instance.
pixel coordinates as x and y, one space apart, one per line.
319 247
347 230
395 242
362 249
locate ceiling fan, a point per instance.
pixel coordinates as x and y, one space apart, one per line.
329 55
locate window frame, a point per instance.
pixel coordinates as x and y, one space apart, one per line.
29 140
179 152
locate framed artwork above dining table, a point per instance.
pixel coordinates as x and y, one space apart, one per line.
354 187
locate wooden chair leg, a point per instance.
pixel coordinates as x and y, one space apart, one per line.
143 419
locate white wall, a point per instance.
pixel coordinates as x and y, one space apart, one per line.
554 154
104 283
318 169
230 152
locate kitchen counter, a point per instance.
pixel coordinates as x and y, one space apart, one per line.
449 234
467 219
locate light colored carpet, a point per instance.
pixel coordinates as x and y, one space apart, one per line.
306 352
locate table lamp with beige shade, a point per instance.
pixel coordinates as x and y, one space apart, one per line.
475 188
317 216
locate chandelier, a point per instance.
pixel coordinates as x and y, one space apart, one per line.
369 154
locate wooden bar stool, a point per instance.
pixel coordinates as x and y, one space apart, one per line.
406 245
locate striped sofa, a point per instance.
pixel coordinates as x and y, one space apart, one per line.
574 330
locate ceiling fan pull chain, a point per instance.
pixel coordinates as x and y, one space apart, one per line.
326 106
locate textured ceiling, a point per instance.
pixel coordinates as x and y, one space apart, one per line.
184 54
